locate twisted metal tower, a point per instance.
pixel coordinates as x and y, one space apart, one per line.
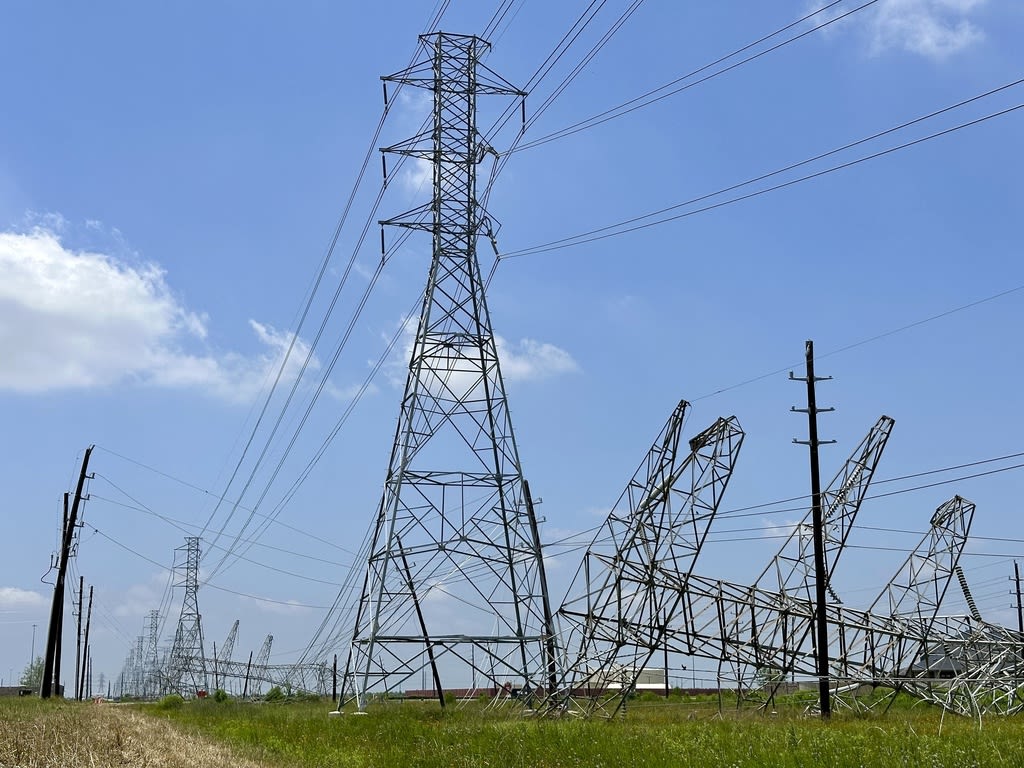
455 582
622 605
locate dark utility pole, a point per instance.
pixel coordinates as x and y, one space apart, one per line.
86 650
820 577
58 589
60 617
248 669
78 636
1020 610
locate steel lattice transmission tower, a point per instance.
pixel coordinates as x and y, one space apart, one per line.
187 664
455 587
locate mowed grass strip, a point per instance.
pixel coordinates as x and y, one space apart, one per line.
419 734
65 734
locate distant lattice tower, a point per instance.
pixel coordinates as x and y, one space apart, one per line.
187 663
455 582
152 670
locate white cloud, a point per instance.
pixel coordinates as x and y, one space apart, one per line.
529 360
78 319
13 598
139 599
525 360
773 530
931 28
417 175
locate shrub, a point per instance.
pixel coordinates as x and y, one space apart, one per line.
220 695
275 694
171 701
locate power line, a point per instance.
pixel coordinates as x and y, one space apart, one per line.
185 528
150 560
627 226
656 94
202 490
736 511
440 9
868 340
191 528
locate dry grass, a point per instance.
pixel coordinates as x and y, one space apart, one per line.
35 734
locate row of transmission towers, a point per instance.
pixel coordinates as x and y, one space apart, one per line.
151 671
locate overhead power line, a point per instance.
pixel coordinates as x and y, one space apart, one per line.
655 218
170 569
674 87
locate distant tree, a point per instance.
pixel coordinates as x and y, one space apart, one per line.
32 677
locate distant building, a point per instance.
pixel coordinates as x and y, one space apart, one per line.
17 690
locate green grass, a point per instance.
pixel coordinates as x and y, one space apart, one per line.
655 734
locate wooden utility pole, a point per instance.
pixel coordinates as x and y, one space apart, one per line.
248 669
820 576
334 684
60 618
1020 609
86 657
56 615
78 638
549 623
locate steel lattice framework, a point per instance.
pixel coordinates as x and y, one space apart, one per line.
791 571
151 675
455 582
617 614
182 674
900 646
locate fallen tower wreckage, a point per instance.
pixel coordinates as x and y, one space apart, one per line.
637 594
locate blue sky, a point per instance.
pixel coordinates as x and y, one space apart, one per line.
171 177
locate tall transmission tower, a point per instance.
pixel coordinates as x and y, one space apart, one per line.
187 665
455 583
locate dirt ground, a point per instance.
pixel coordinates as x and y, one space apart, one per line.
101 735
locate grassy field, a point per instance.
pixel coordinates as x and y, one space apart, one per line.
293 733
656 734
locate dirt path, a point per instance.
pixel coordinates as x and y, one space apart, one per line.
105 735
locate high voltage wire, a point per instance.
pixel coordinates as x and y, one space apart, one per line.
862 342
518 145
206 492
190 529
655 95
184 529
217 587
440 9
637 223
